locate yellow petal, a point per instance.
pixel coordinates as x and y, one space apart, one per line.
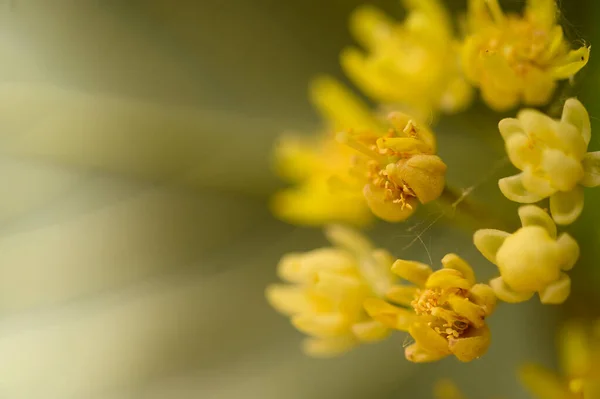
369 25
563 171
510 127
569 251
385 209
539 126
536 183
302 268
288 299
566 206
428 339
539 88
401 294
575 113
425 175
489 241
541 12
506 294
571 63
542 383
471 346
467 309
340 106
321 325
407 145
415 272
447 278
532 215
557 292
370 331
520 151
416 354
389 315
453 261
328 347
591 169
484 296
572 141
513 189
401 121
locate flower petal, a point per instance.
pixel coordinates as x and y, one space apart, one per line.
447 278
385 209
489 241
428 339
453 261
370 331
416 354
510 127
563 171
321 325
328 347
513 189
566 206
471 346
506 294
288 299
535 183
349 239
389 315
520 151
467 309
575 113
557 292
543 383
484 296
532 215
401 294
569 251
415 272
591 169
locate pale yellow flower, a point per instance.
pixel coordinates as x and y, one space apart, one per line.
319 165
579 351
552 155
444 311
530 260
413 63
327 288
518 58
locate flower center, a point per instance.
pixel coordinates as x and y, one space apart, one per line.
433 302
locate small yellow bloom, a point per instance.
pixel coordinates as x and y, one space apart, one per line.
580 360
398 167
530 260
552 155
518 58
448 310
326 291
414 63
319 165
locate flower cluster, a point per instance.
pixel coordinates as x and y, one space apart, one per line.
362 166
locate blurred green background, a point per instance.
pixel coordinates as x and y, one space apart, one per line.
135 237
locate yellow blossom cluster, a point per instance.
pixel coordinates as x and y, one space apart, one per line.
362 166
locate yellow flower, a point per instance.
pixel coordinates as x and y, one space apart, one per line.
414 63
448 310
552 155
326 291
517 58
319 165
397 168
580 360
530 260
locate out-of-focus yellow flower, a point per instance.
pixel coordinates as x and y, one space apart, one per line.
552 155
579 351
448 310
326 291
414 63
530 260
319 165
517 58
368 167
398 167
